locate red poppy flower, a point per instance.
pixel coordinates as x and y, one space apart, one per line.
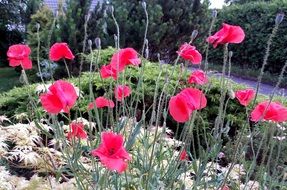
61 96
274 112
198 77
122 91
60 51
123 58
107 71
182 105
77 131
19 55
111 152
183 155
227 34
189 53
101 102
245 96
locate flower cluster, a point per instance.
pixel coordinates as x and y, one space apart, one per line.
62 96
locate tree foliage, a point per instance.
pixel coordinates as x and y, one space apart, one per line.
170 23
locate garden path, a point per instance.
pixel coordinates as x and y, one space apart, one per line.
265 89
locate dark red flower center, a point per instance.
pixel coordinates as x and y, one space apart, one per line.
111 151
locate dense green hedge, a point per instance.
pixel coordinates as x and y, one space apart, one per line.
257 19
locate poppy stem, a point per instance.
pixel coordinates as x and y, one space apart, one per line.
220 117
67 68
146 28
207 44
265 60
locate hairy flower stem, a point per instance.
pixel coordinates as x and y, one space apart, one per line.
118 30
38 56
146 29
280 78
67 68
265 61
84 47
49 41
117 46
207 44
220 120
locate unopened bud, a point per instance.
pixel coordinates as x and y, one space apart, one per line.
90 43
146 42
194 34
214 13
57 14
111 9
158 56
115 37
147 53
144 4
279 18
38 26
231 93
105 13
230 54
87 17
98 43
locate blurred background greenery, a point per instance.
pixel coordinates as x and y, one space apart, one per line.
171 23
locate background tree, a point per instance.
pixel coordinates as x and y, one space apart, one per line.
171 22
72 23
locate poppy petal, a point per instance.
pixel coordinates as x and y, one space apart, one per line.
179 109
51 103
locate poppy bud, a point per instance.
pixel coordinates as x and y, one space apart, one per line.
230 54
194 34
144 4
105 14
279 18
214 13
38 26
146 53
98 43
87 17
90 43
115 37
111 9
158 56
231 93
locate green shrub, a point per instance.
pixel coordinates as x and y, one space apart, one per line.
257 19
17 100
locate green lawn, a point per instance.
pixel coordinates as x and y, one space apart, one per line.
8 78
